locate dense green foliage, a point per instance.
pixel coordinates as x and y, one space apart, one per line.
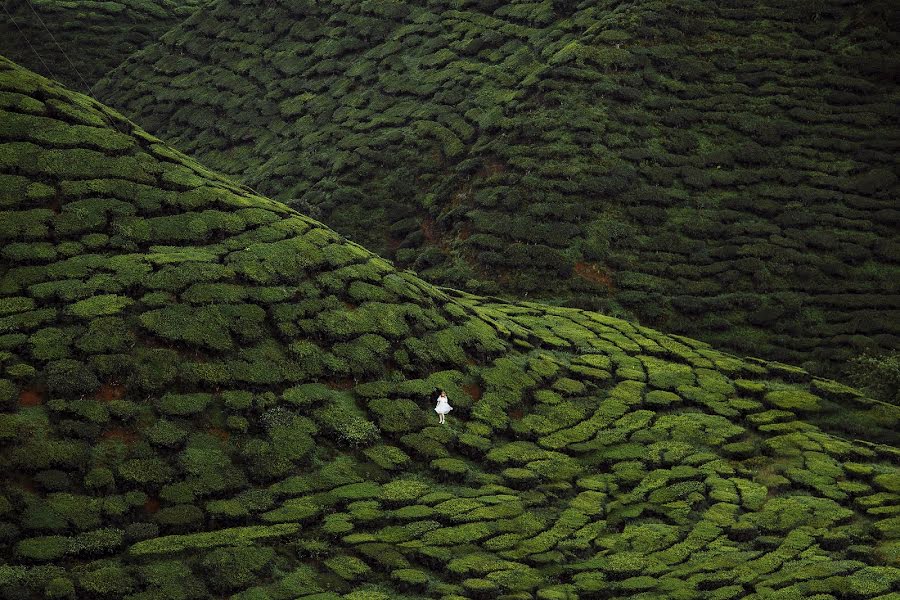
722 170
878 375
206 394
78 41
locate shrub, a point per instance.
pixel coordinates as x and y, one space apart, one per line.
397 415
171 544
232 568
51 343
237 423
309 394
878 375
403 490
793 399
293 440
180 515
347 567
60 587
107 580
204 326
145 471
45 548
69 377
452 466
661 398
141 531
183 404
237 399
154 368
98 542
165 433
467 533
97 306
54 480
410 576
105 334
345 419
99 478
387 457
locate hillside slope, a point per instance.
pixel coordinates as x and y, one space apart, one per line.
726 171
95 35
206 394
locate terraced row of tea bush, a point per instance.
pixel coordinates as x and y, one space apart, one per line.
78 41
206 394
721 170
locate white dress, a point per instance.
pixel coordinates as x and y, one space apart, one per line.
443 406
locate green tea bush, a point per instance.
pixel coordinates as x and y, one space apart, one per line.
68 377
106 580
43 548
233 568
183 404
161 399
345 419
145 471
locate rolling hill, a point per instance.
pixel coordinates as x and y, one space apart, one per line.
207 394
78 42
726 171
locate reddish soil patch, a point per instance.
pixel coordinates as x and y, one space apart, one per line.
31 397
492 166
152 505
473 390
219 433
24 482
461 196
465 231
110 391
432 235
516 414
593 272
120 433
427 228
349 305
341 384
392 243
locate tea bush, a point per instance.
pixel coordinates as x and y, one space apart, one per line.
662 179
248 412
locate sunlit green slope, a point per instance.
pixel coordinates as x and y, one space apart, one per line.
79 41
724 170
206 394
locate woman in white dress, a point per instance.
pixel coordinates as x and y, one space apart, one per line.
443 407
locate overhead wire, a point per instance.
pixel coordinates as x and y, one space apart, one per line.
65 55
27 41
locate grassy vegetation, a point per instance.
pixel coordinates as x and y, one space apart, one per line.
206 394
725 171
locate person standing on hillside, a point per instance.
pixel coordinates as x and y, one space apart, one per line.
443 407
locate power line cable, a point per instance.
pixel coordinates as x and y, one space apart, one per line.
27 41
66 56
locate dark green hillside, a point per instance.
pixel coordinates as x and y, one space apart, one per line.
205 394
723 170
95 35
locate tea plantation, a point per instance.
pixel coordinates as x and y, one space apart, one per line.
722 170
206 394
79 41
